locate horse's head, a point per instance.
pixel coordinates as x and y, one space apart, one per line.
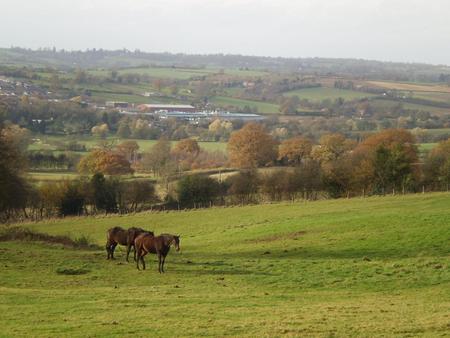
176 240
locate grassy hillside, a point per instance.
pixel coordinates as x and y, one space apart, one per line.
361 267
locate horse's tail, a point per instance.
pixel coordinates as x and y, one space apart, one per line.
108 237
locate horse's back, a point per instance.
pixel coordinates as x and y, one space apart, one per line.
146 242
118 235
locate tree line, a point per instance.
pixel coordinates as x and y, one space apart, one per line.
388 162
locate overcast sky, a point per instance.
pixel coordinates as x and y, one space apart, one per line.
392 30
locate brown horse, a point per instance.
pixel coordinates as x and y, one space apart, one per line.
159 245
118 235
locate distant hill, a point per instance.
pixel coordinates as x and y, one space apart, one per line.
99 58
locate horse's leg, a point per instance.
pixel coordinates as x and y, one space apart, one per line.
134 250
108 250
112 248
137 261
163 261
159 262
143 262
128 251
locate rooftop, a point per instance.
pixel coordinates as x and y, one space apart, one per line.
167 106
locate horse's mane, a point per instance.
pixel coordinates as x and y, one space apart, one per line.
167 237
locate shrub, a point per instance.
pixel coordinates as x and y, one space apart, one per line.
197 190
72 200
244 186
104 193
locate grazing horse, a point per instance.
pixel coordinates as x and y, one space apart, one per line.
118 235
159 245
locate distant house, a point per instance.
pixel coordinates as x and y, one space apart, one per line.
116 104
152 108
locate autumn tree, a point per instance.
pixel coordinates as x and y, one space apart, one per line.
393 157
129 149
289 105
158 158
100 130
17 137
331 147
220 129
124 130
185 152
437 166
292 151
251 147
106 162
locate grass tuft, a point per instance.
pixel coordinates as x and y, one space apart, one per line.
24 234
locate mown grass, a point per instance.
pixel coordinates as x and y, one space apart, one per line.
359 267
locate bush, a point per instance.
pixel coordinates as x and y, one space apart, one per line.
197 190
135 194
72 200
104 193
244 186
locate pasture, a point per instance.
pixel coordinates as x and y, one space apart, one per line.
426 147
411 87
386 104
360 267
323 93
179 73
262 107
53 143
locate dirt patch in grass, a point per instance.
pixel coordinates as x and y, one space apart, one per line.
289 236
24 234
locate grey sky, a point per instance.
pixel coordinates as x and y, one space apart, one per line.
393 30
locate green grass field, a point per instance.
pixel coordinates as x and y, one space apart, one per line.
323 93
425 147
384 104
358 267
263 107
178 73
433 96
51 143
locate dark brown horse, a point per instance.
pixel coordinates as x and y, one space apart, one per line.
159 245
118 235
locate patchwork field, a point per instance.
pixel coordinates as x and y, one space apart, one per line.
384 104
360 267
411 86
